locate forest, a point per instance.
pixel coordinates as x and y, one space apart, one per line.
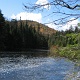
66 43
17 36
65 38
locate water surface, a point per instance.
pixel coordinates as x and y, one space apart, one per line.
36 68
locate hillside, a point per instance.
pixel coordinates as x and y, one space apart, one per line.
41 28
23 35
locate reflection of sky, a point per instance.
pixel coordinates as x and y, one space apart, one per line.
15 9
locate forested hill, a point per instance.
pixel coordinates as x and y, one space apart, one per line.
22 35
41 28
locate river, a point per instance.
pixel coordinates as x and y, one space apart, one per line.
37 68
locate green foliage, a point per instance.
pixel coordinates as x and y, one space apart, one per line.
70 53
64 38
68 43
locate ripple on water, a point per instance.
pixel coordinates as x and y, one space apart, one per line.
21 68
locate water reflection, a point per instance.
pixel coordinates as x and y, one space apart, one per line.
34 68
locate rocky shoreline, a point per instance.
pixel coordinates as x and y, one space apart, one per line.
73 76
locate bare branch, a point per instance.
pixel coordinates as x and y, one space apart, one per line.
64 4
71 5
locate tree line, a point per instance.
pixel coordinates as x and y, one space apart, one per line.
16 36
65 38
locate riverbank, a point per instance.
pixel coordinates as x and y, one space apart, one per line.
40 61
70 52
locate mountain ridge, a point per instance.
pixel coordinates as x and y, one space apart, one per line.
41 28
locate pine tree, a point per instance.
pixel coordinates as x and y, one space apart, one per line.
2 21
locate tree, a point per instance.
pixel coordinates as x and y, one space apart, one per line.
68 8
2 19
2 23
76 29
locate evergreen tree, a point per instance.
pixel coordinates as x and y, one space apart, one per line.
2 19
2 23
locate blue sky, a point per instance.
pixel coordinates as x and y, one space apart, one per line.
14 9
10 7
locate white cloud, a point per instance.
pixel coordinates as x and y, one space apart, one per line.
42 2
71 23
28 16
51 25
64 27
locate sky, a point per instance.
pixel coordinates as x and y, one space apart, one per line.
14 9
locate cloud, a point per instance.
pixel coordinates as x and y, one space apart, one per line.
64 27
42 2
51 25
28 16
69 24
